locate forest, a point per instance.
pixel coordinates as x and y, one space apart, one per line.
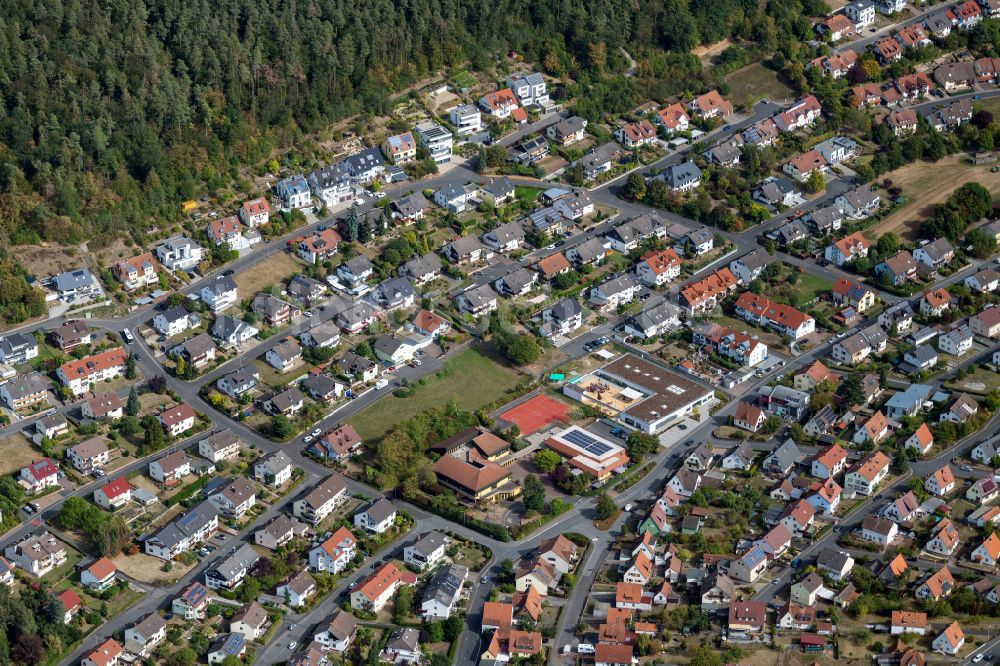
114 112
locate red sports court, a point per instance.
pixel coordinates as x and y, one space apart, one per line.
535 413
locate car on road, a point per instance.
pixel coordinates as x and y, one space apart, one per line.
979 657
559 243
292 626
308 313
567 234
317 432
220 537
291 646
353 585
381 384
978 97
628 507
307 439
127 336
380 195
28 509
646 296
550 247
484 579
727 128
966 468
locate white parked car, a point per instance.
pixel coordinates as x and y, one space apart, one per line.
380 195
381 384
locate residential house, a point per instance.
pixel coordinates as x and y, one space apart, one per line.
179 253
335 553
232 332
234 498
113 495
230 572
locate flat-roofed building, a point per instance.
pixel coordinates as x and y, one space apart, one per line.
640 394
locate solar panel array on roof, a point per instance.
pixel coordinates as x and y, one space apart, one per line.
587 443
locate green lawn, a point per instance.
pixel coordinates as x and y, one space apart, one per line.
755 82
469 378
526 195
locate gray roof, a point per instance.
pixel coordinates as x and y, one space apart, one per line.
590 250
275 462
679 175
480 296
245 375
404 640
387 344
359 264
287 349
287 399
323 333
724 152
81 278
198 345
221 285
187 524
861 197
360 311
744 452
21 386
655 315
464 246
420 266
786 455
303 286
938 249
411 204
446 584
826 217
569 126
756 259
566 308
221 440
393 290
598 156
429 542
506 232
518 279
352 363
320 385
267 305
380 510
149 625
365 160
499 187
923 354
226 326
833 560
244 558
175 313
616 285
637 228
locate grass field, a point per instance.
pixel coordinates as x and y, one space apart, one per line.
272 270
17 452
756 82
469 378
926 184
981 382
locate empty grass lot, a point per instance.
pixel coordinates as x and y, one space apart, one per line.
18 452
469 378
272 271
755 82
926 184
